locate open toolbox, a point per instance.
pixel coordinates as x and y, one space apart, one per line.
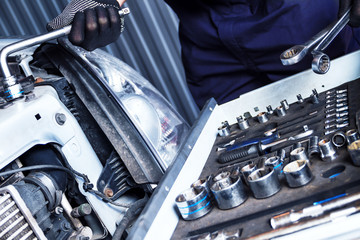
283 134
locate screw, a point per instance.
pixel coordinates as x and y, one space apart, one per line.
60 118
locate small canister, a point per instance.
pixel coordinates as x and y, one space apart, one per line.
297 173
264 182
193 203
229 192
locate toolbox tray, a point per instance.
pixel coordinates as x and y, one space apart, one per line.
329 178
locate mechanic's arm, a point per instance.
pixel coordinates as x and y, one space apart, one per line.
95 23
355 11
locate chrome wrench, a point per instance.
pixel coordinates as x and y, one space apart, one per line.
321 62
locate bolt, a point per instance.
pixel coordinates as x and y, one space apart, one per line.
108 192
60 118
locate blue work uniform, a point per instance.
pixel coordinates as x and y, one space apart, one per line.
230 47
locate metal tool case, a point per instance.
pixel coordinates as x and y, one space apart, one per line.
328 107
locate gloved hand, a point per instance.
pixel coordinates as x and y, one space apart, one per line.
95 23
355 11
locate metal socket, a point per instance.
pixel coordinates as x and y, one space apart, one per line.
327 150
229 193
262 117
264 183
297 173
222 175
351 136
247 170
269 109
224 130
313 146
299 153
276 163
205 183
193 203
354 152
243 123
280 111
338 139
285 104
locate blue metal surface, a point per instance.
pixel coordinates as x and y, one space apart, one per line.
149 43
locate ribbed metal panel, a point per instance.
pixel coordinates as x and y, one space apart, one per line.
149 44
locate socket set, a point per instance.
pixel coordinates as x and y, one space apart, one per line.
277 163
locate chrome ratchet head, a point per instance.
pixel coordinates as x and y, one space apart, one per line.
320 63
293 55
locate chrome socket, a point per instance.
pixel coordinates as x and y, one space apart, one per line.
327 150
264 183
269 109
314 146
243 123
205 183
314 98
262 117
276 163
280 111
351 136
354 152
299 153
338 139
193 203
297 173
285 104
247 170
229 192
224 129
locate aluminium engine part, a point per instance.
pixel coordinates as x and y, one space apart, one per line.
247 170
16 219
285 104
242 122
338 139
229 192
327 150
299 153
351 136
297 173
354 152
262 117
264 183
313 148
276 163
193 203
280 111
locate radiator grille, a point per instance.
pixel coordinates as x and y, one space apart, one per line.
13 224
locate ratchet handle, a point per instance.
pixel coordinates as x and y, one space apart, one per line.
238 153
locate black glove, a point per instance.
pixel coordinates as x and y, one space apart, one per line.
355 11
95 23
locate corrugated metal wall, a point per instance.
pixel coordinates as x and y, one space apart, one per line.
149 44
